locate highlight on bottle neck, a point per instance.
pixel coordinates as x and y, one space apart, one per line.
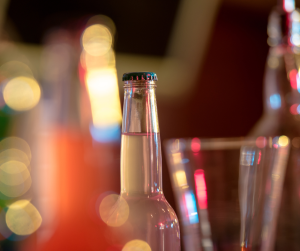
140 109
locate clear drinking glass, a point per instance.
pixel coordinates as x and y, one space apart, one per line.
227 191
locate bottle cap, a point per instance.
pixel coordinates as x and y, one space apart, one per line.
143 75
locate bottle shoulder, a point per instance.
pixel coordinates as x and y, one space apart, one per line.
155 207
276 125
149 219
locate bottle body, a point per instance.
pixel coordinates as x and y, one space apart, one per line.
151 219
282 117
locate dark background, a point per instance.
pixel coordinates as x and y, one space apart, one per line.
228 96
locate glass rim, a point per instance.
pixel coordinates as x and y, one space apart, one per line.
216 143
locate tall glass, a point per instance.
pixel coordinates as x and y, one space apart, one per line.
227 191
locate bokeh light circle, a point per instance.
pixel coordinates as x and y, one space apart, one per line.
15 179
96 40
21 93
283 141
15 143
136 245
22 218
114 210
14 154
15 190
195 145
13 173
12 69
261 142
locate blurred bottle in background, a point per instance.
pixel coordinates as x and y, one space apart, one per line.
281 113
279 79
79 137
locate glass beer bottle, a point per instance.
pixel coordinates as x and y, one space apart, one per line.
151 223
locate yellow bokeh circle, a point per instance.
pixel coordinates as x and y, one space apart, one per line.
21 93
22 218
96 40
14 191
13 69
14 154
15 143
114 210
13 173
283 141
136 245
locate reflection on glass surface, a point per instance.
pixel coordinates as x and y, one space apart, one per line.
201 192
191 207
201 188
222 173
250 193
274 187
275 101
180 178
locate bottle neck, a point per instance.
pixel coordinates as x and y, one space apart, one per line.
140 110
141 147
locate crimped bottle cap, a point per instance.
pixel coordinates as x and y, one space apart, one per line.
143 75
